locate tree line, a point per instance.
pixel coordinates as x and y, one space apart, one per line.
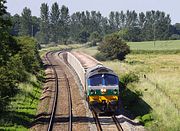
56 25
18 57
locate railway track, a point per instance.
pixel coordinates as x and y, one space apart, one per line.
60 80
106 122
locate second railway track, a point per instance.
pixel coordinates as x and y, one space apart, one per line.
61 115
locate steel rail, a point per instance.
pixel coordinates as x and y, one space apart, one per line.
119 127
70 104
95 116
69 98
51 121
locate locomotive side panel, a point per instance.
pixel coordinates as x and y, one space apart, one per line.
74 62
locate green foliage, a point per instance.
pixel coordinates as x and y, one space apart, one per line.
64 24
29 54
129 78
26 23
83 37
114 47
43 35
175 37
8 50
22 109
57 26
17 57
101 56
55 23
145 119
94 38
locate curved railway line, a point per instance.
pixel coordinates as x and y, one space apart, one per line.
56 69
68 108
58 77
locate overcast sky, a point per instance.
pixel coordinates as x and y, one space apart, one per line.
171 7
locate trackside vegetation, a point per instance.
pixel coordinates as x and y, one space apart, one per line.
113 47
20 77
21 85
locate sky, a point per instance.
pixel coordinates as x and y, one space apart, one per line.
171 7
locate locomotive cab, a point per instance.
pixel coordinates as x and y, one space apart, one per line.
102 88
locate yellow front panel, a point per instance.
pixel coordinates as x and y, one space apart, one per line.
99 99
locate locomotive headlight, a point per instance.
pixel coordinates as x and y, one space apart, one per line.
115 91
103 91
92 92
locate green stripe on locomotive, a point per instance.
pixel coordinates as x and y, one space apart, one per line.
98 92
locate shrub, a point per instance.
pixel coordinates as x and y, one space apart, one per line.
175 37
129 78
101 56
29 54
94 38
113 47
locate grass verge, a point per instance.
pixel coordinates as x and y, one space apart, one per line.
22 109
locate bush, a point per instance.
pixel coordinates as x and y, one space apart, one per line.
29 54
113 47
101 56
94 38
129 78
175 37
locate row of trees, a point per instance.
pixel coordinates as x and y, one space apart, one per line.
58 26
17 57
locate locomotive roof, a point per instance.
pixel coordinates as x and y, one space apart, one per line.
99 69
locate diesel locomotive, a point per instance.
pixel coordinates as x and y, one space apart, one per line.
100 83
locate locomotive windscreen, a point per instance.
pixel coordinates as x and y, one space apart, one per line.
103 79
95 80
110 80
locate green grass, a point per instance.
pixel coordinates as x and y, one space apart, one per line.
22 109
159 45
88 50
162 92
156 95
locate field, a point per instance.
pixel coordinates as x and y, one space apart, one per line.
158 86
159 45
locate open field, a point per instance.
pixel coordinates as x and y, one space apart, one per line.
159 45
158 83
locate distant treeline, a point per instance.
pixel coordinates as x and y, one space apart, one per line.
56 25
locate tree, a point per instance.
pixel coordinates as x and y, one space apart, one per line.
83 36
35 25
15 25
26 23
94 38
43 34
112 22
113 47
55 22
64 24
75 26
8 51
